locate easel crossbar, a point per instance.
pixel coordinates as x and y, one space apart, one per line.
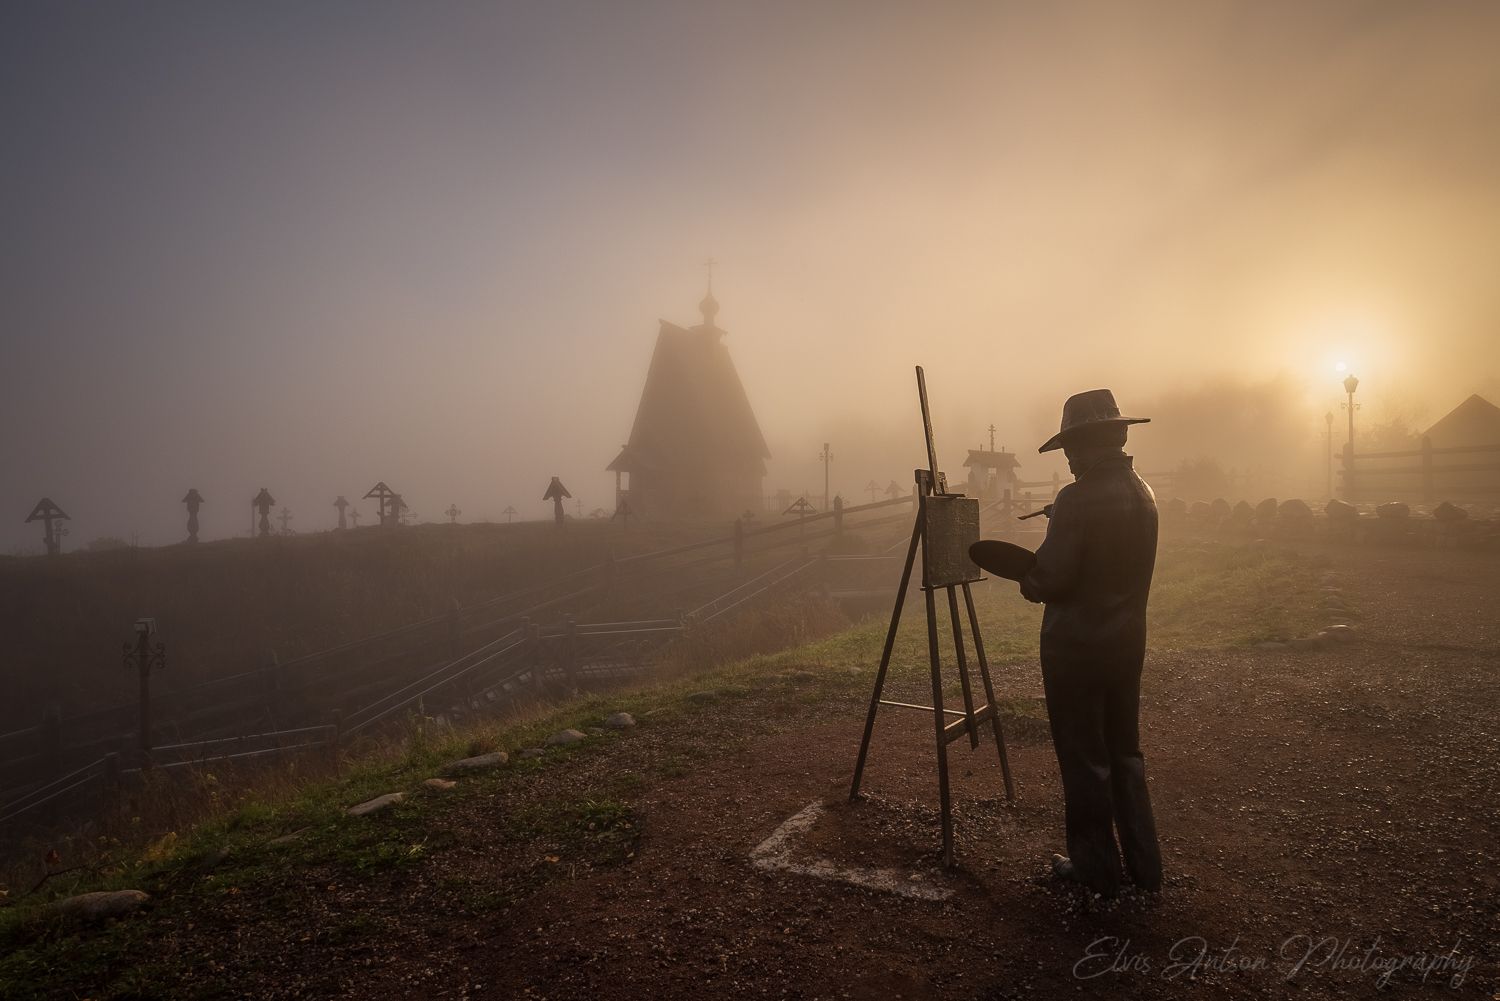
913 705
960 727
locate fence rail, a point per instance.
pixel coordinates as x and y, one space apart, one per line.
1426 479
366 681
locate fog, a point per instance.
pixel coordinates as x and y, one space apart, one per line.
309 248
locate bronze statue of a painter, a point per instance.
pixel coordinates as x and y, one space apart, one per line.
1093 573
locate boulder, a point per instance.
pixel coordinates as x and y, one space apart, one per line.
563 738
478 763
1448 513
376 805
1341 632
1294 510
619 721
100 905
1341 512
1393 511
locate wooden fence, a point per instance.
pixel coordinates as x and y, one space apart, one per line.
467 655
1393 476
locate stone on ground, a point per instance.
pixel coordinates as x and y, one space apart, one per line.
478 763
532 752
439 785
562 738
100 905
375 805
619 721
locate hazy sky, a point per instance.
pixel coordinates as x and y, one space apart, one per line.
311 245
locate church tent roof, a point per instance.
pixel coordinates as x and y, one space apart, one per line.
986 459
693 413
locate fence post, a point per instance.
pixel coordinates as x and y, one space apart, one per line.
1427 487
1005 503
739 542
1349 472
838 516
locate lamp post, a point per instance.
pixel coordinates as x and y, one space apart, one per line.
1328 441
1350 385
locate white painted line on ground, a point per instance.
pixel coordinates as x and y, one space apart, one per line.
774 854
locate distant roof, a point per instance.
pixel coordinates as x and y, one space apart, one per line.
693 411
1475 421
986 459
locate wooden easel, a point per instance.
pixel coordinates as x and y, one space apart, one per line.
945 524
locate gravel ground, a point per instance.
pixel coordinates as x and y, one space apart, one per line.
1330 820
1326 816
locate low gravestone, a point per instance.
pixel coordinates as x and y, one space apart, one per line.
1200 511
1242 515
1176 508
1221 509
1393 511
1265 511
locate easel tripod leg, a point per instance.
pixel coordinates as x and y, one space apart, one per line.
963 667
885 659
942 742
989 693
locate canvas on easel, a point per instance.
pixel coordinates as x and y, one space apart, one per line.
947 524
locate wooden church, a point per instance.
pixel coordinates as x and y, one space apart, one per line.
696 450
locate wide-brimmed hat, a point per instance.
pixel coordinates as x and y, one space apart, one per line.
1097 406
